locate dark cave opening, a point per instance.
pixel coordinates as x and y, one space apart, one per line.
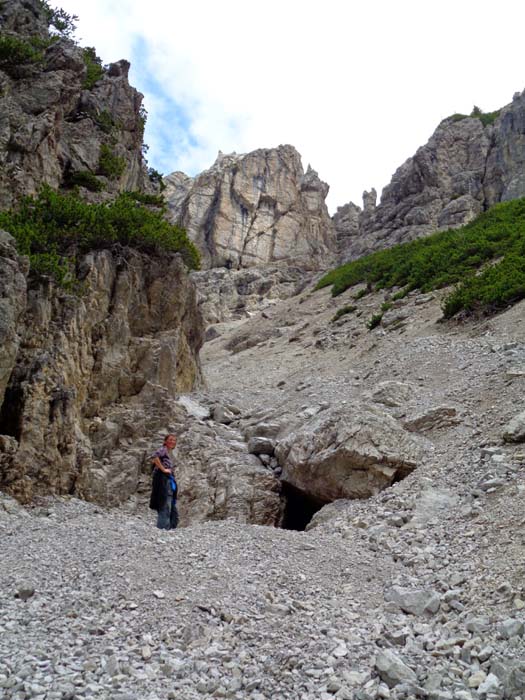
11 411
299 508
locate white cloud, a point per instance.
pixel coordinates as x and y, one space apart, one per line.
355 86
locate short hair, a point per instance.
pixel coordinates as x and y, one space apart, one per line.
166 437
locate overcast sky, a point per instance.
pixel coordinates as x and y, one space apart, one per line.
356 87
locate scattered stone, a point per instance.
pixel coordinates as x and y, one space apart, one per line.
514 431
25 591
511 628
392 670
415 602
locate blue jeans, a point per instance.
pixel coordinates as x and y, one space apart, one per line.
168 516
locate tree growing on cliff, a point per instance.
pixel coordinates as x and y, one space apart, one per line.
58 20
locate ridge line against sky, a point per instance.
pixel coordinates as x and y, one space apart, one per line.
355 87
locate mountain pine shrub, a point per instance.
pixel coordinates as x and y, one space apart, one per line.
485 259
109 164
16 52
54 228
349 309
85 178
95 69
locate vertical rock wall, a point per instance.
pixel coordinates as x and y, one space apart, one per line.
51 126
254 209
466 167
93 374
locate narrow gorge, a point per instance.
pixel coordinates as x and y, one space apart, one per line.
350 454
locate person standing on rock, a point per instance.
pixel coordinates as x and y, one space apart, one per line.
164 487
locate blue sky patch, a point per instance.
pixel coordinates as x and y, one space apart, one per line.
168 128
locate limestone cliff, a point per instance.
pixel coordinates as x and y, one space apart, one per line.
468 164
57 125
253 209
87 379
91 375
90 380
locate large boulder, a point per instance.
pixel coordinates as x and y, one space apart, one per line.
351 451
255 208
514 430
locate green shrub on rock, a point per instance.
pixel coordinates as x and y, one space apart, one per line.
486 118
156 178
16 52
104 121
53 228
152 200
109 164
95 69
374 321
85 178
485 258
349 309
58 19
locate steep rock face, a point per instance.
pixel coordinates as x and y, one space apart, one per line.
505 176
440 187
51 127
346 223
256 208
464 168
93 371
13 270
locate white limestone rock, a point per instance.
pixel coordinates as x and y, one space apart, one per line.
392 670
351 451
253 209
514 431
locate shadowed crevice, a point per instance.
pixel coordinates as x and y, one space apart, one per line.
299 508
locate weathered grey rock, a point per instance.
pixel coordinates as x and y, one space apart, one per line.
393 394
478 625
25 591
433 503
440 187
504 178
256 208
463 169
9 507
511 628
52 127
95 373
415 602
221 414
491 684
514 431
395 318
229 294
350 451
13 271
259 445
218 478
392 670
432 419
270 430
346 222
511 675
244 341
